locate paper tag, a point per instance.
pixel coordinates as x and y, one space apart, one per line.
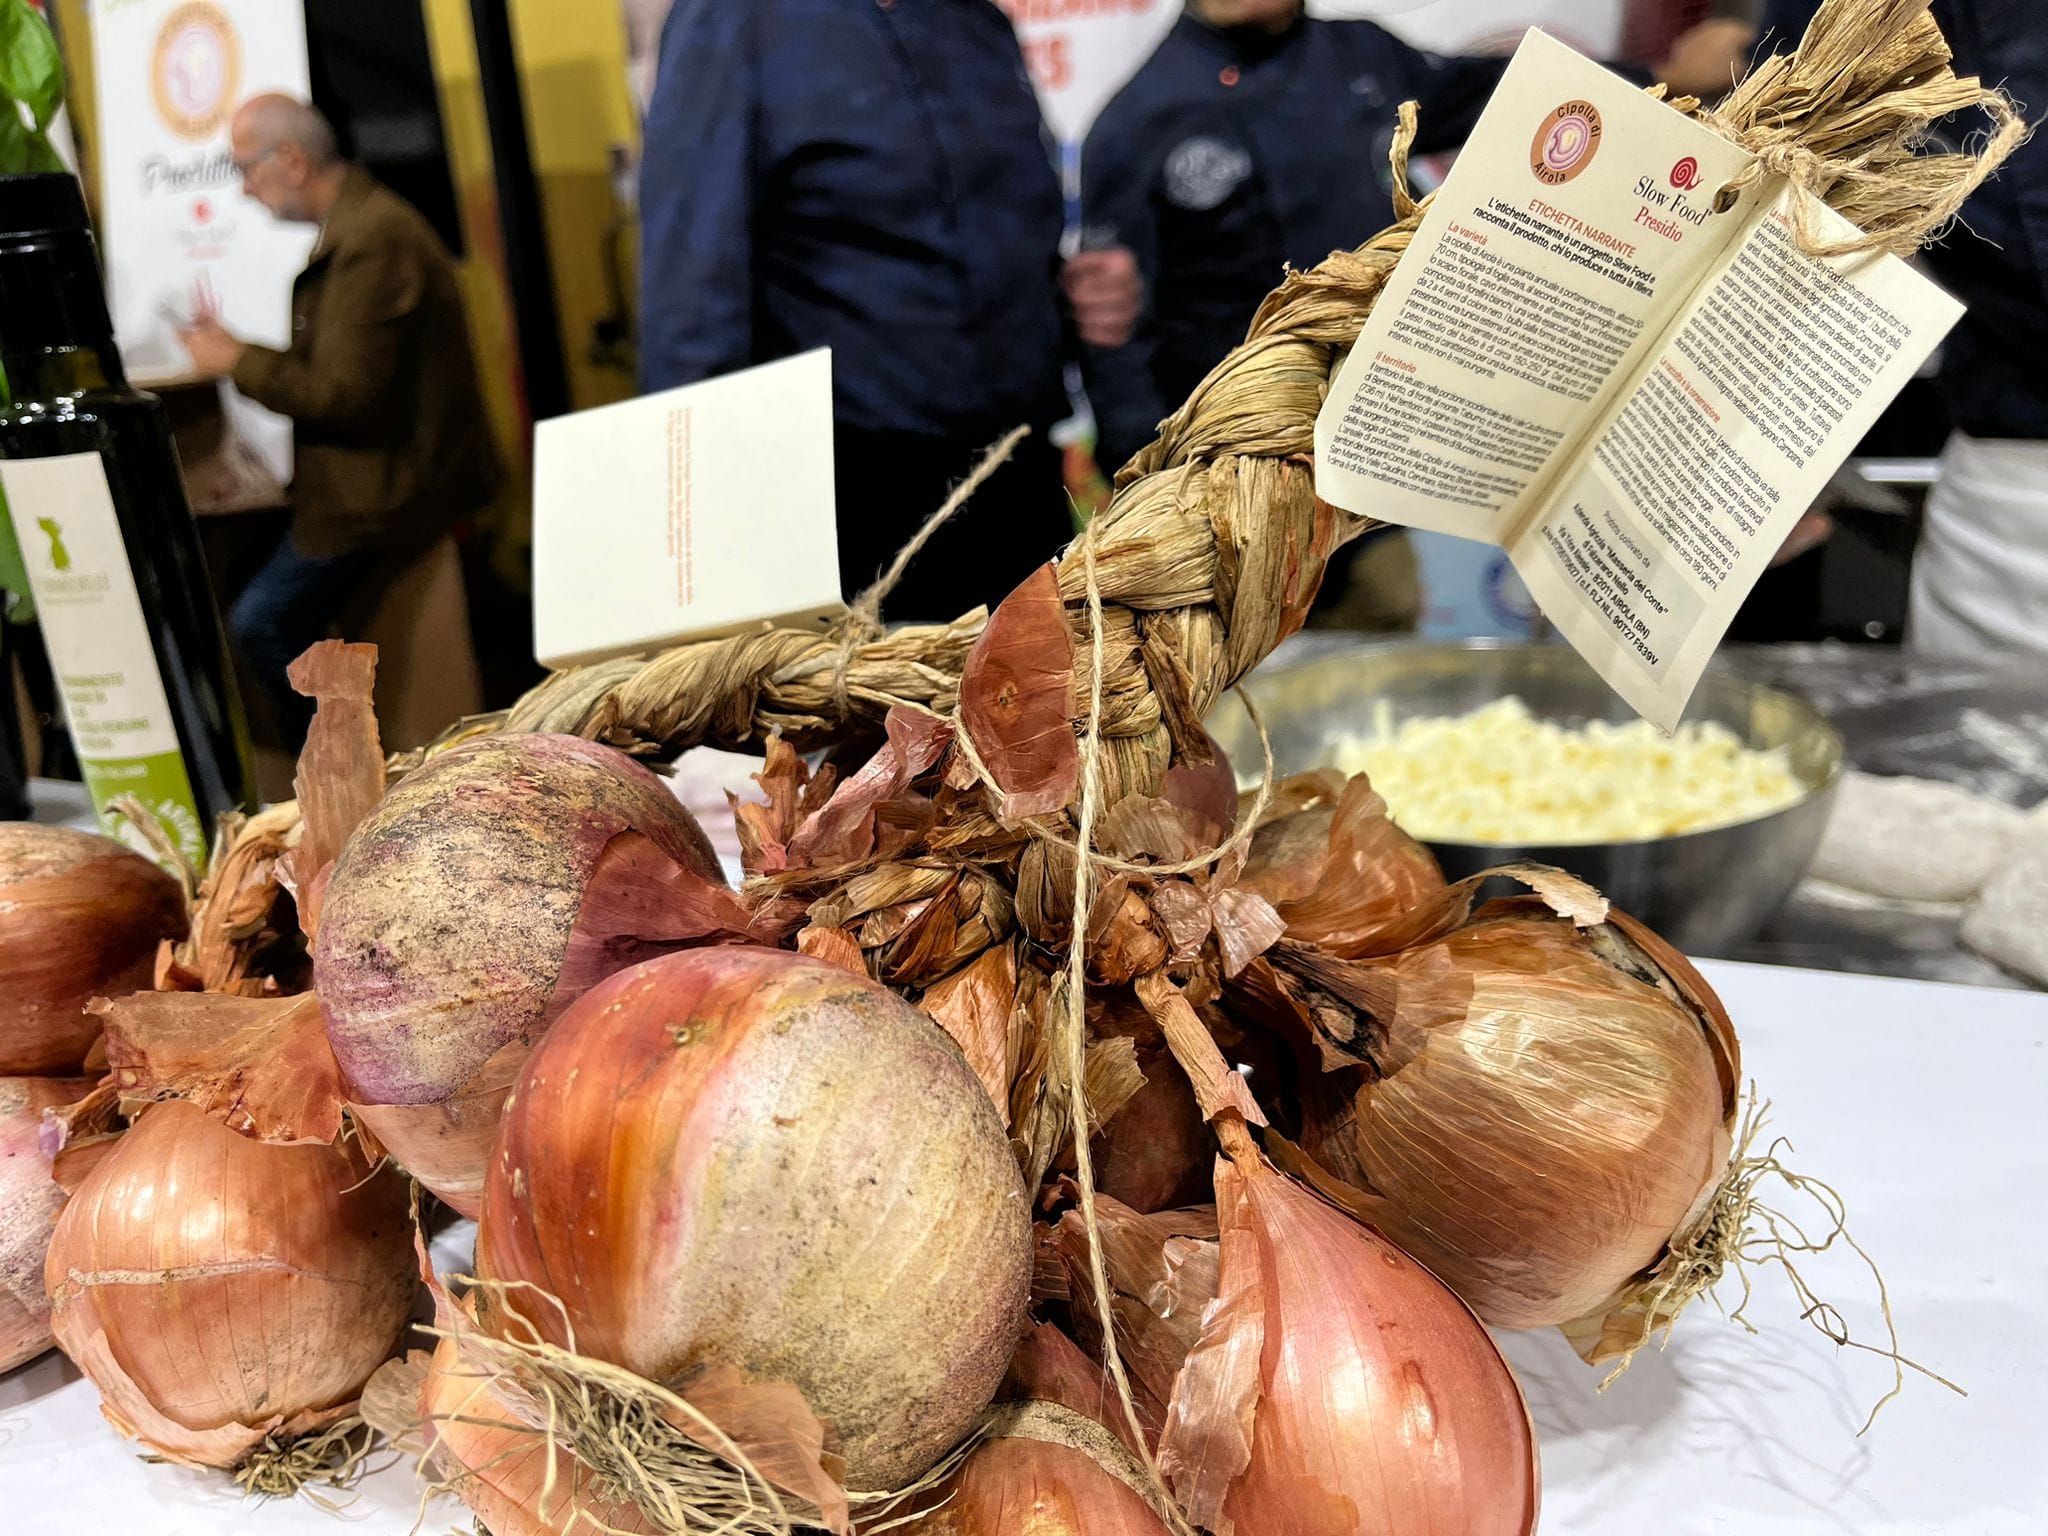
1579 360
685 515
1764 384
1536 282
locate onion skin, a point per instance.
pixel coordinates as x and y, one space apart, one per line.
1383 1405
1162 1276
1340 874
744 1157
1545 1122
29 1202
488 890
1051 1368
1022 1487
499 1473
1206 797
80 917
1156 1151
1016 1484
219 1290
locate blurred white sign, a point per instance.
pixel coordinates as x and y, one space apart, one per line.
1593 27
1081 52
173 221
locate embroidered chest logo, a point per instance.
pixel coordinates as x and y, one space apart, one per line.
1201 172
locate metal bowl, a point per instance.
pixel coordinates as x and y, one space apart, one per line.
1704 891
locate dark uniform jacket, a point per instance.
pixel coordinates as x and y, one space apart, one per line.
1996 258
390 440
1231 154
868 175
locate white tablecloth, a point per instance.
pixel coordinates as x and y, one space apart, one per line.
1921 1103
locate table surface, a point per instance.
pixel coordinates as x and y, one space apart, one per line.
1917 1100
1980 725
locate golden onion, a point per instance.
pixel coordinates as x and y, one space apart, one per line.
29 1202
80 917
747 1158
221 1291
1540 1110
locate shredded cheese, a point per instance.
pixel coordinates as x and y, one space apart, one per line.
1501 775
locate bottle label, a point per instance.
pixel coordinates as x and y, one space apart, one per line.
99 645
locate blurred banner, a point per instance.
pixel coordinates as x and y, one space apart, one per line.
175 231
1080 52
1593 27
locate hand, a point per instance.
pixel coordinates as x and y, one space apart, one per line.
1813 529
1707 59
1106 293
214 351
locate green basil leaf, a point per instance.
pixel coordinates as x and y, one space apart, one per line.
31 71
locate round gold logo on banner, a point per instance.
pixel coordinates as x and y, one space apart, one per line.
1566 140
195 70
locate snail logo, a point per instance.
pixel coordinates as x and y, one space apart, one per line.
1686 174
60 557
195 70
1566 140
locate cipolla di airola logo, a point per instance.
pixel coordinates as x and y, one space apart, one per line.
1567 138
195 70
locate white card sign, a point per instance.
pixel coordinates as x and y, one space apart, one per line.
692 513
168 76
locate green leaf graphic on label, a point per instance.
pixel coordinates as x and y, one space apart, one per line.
160 783
60 557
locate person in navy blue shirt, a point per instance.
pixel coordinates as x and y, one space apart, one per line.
872 176
1252 138
1980 574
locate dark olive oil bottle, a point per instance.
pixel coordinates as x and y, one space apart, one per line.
90 478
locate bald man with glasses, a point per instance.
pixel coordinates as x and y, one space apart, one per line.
390 438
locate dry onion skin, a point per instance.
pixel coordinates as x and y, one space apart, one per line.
1543 1110
1052 1465
80 917
1022 1485
1373 1399
487 891
747 1158
498 1465
29 1202
1154 1152
221 1291
1338 871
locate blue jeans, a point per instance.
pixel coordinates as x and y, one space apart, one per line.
287 605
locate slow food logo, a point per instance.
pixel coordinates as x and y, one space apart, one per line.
195 70
1567 138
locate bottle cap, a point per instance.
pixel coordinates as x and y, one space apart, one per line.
42 203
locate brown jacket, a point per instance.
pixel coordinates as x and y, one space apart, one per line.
390 438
